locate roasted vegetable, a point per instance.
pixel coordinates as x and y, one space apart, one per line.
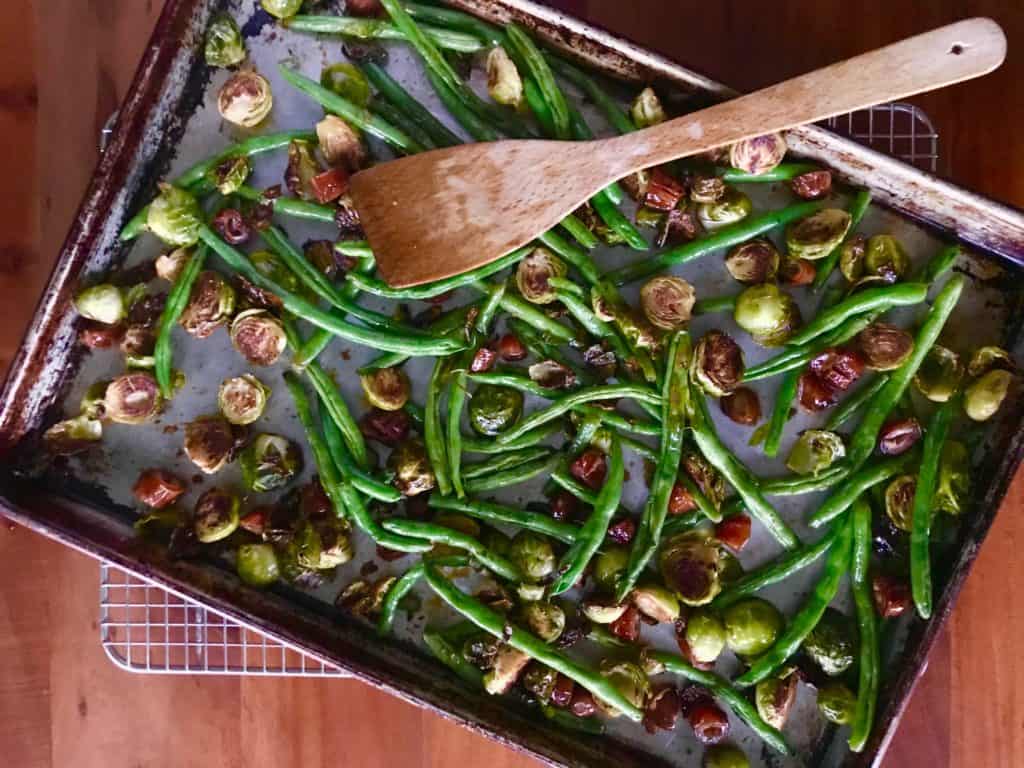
759 154
224 46
216 515
174 216
411 468
817 235
269 462
503 81
533 272
814 451
689 564
242 399
103 303
646 109
210 305
132 398
832 644
753 262
732 207
767 313
258 336
209 443
751 626
718 363
386 388
940 374
667 302
245 100
494 409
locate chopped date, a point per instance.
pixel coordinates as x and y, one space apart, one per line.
838 368
679 226
680 501
582 704
590 468
742 405
511 348
417 508
734 532
483 360
96 335
622 531
256 521
329 185
564 506
627 626
892 596
561 694
387 427
157 488
662 710
663 191
145 313
232 226
899 436
710 724
815 395
811 185
313 500
389 555
692 696
797 271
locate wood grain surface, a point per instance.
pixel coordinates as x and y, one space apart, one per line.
64 65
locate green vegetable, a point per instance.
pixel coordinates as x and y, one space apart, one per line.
378 29
832 643
705 634
868 300
857 483
439 534
815 451
752 626
404 585
224 46
837 703
269 462
256 564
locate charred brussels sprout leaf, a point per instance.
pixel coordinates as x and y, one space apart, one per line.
269 462
242 399
667 302
733 206
815 450
718 363
817 235
169 265
494 409
989 358
753 262
759 154
245 100
533 272
832 644
940 374
603 612
340 144
386 388
258 336
689 564
224 46
302 169
884 347
767 313
954 479
503 81
174 216
851 258
774 699
899 501
216 515
229 175
132 398
103 303
646 109
751 626
411 468
256 564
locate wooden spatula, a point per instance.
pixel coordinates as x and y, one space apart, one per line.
444 212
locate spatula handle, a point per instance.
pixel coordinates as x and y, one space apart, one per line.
934 59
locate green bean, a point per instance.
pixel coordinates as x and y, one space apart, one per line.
568 286
714 305
329 478
627 326
371 337
863 441
618 223
403 586
450 656
485 445
433 432
860 481
704 505
591 536
854 403
378 29
321 338
939 265
781 172
498 625
920 555
438 534
388 111
565 719
725 237
619 421
496 513
837 564
514 380
393 91
336 406
540 347
776 570
529 314
801 484
674 397
857 208
360 117
513 476
600 329
736 473
611 109
289 206
780 413
680 523
869 300
639 448
538 106
463 22
578 230
525 51
575 256
720 688
177 299
477 128
357 249
453 322
561 478
867 627
507 460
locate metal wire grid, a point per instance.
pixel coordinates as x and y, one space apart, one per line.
144 628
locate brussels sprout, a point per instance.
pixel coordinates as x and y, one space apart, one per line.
989 358
72 435
270 265
986 394
242 399
837 703
363 599
731 207
224 46
508 664
532 554
851 258
411 467
832 644
646 109
753 262
533 272
954 479
751 626
340 144
282 9
494 409
656 603
169 265
884 347
759 154
551 374
774 697
899 501
269 462
546 620
602 612
707 478
347 81
174 216
301 170
940 374
667 302
767 313
216 515
629 679
718 363
93 404
132 398
609 565
258 336
540 680
503 81
725 756
386 388
209 305
209 443
705 634
815 236
244 100
103 303
885 256
707 189
689 565
257 564
336 549
815 450
229 175
529 592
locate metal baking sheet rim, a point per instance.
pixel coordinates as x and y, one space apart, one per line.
122 172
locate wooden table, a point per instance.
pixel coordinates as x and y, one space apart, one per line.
64 66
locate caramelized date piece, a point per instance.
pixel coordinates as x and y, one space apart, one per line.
590 468
662 710
561 694
710 724
742 406
797 271
388 427
811 185
734 532
96 335
663 191
232 226
622 531
483 360
838 368
564 506
892 597
627 626
157 488
256 521
582 704
680 501
899 436
815 395
511 348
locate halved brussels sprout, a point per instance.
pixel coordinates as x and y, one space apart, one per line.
224 46
229 175
103 303
347 81
602 611
885 256
899 501
169 265
546 620
282 9
837 703
174 216
245 100
494 409
751 626
767 313
954 480
301 170
132 398
533 272
269 462
705 634
532 554
814 451
216 515
336 549
667 302
656 603
503 81
209 305
258 336
242 399
209 443
832 644
940 374
988 358
718 363
689 565
984 396
815 236
725 756
411 468
386 388
610 564
774 699
759 154
753 262
707 189
72 435
340 144
851 258
256 564
629 679
733 206
646 109
884 347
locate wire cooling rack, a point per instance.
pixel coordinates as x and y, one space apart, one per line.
145 628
